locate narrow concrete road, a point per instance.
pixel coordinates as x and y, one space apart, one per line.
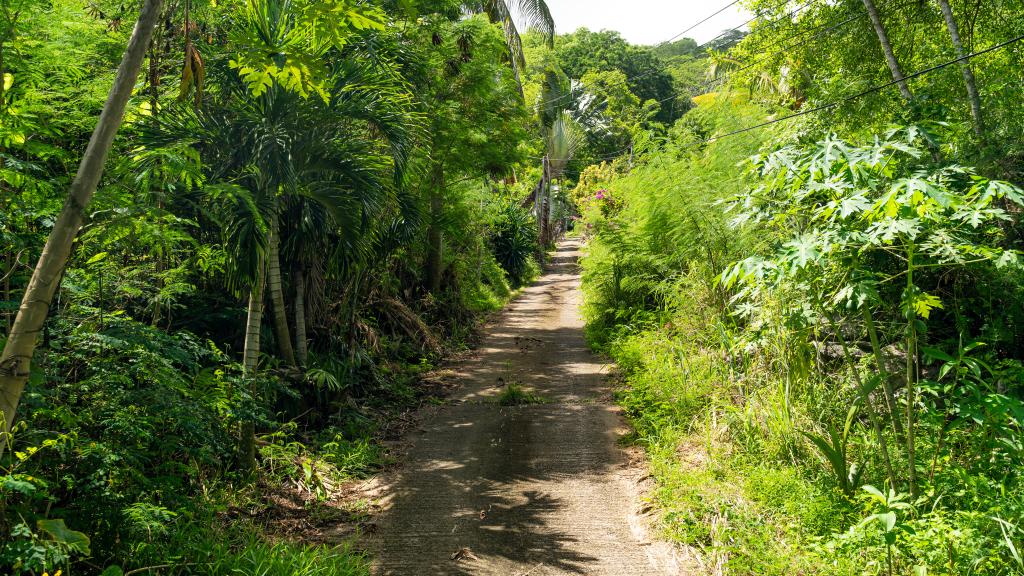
538 490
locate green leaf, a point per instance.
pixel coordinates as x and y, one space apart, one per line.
833 452
802 250
72 539
409 7
98 257
12 484
1009 258
114 570
876 494
888 520
923 304
1008 530
937 354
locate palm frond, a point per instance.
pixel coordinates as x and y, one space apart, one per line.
563 139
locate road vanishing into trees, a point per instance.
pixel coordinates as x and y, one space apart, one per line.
541 488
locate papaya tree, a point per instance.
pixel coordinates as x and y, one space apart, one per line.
866 233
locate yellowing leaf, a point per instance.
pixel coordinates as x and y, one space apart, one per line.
924 303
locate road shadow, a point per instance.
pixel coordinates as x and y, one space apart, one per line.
486 489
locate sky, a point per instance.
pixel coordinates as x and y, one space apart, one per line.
646 21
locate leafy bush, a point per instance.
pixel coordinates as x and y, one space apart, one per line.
514 241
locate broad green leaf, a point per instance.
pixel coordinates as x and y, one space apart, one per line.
1009 258
12 484
854 205
888 520
57 530
802 251
876 494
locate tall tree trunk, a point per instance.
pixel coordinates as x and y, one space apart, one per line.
301 350
3 70
435 241
890 56
21 343
540 203
965 69
11 262
284 338
250 360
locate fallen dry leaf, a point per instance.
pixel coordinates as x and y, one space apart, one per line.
463 554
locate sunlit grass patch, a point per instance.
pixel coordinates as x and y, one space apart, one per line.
518 395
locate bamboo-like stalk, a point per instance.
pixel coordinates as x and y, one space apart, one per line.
911 374
284 338
869 406
435 239
876 348
301 348
973 97
250 363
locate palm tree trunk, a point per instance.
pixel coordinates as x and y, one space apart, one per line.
890 56
250 360
965 69
284 338
540 204
301 350
16 358
435 241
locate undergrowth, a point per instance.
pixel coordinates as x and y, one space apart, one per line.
757 427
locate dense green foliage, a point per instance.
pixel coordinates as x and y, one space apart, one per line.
310 174
819 321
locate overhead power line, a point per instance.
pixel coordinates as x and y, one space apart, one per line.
727 76
860 94
789 14
680 34
719 11
863 93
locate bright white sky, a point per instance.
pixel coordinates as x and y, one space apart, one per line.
646 21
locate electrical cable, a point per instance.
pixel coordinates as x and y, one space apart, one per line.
863 93
763 57
660 44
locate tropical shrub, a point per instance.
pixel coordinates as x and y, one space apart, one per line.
514 241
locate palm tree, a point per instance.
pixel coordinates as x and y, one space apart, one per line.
535 13
781 85
343 156
567 113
